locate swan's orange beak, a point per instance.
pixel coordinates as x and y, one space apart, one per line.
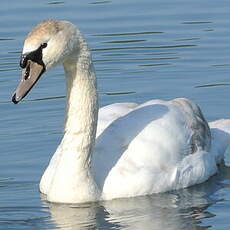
30 75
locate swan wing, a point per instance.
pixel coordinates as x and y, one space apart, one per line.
155 147
109 113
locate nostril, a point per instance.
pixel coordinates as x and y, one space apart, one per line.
27 72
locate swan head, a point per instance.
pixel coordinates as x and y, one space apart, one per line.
47 45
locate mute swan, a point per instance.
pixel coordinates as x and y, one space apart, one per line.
135 149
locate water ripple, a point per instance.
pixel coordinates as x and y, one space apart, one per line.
55 3
212 85
196 22
126 41
127 34
145 47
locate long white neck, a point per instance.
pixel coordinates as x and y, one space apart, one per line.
73 181
82 105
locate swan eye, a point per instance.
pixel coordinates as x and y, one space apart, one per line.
43 45
23 61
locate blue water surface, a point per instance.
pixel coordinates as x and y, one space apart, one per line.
142 49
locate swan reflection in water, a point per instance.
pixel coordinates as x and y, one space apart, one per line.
182 209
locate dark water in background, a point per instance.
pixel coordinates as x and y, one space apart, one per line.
141 49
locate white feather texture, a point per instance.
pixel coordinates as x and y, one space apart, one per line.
135 149
221 140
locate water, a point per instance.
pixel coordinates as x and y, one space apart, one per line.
141 49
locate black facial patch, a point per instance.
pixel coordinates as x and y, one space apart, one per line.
35 56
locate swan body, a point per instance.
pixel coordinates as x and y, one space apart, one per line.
123 149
